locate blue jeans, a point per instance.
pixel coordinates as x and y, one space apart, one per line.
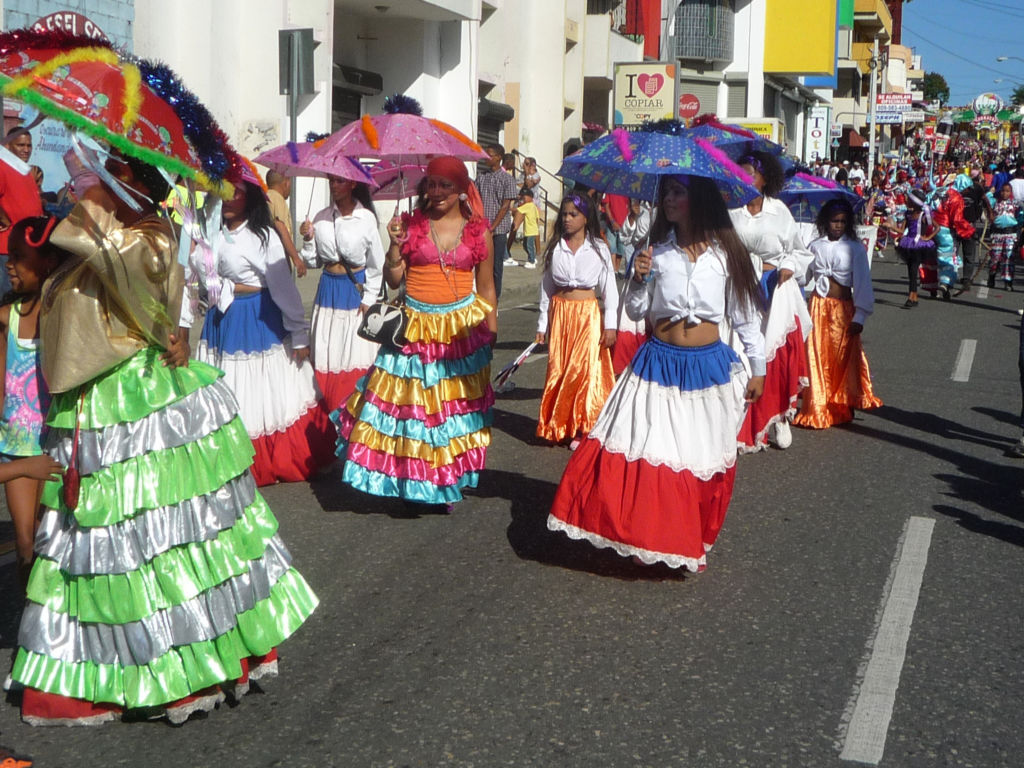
500 254
530 244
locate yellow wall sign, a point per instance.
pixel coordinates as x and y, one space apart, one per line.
800 37
764 130
644 91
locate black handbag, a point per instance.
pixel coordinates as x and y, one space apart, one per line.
384 324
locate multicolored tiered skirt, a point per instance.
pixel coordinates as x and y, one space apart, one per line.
167 587
840 377
579 376
419 423
785 332
654 477
278 400
340 356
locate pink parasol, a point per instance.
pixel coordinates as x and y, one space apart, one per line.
396 181
301 159
402 134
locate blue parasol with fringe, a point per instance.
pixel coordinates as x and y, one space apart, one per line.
633 164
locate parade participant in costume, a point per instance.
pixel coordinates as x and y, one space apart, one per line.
1008 216
577 268
419 423
767 229
915 245
948 215
25 397
343 239
654 477
631 334
159 580
840 379
255 331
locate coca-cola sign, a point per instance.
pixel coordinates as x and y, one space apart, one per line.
689 106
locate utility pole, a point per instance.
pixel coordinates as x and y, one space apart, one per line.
875 63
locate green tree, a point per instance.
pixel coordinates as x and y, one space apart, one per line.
935 87
1017 97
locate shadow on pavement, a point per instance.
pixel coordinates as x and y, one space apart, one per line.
988 484
1004 417
530 539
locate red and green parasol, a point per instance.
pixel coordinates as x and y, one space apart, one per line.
134 105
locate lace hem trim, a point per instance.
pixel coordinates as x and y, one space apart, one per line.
648 557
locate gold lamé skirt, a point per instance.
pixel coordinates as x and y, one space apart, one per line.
840 379
579 376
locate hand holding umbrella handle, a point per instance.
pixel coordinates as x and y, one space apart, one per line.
396 231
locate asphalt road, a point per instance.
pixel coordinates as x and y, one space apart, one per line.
481 639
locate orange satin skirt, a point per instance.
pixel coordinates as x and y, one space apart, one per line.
840 379
579 377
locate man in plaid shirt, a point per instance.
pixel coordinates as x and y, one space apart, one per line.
498 190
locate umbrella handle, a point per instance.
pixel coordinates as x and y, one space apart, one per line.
312 188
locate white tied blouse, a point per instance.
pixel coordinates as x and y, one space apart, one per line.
590 268
772 237
695 291
353 239
846 262
241 258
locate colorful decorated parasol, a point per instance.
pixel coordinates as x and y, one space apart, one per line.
734 140
135 106
806 194
401 134
300 159
397 181
633 164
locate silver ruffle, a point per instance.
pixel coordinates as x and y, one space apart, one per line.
129 544
205 617
196 415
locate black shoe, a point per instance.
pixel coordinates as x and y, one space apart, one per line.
945 293
991 281
1009 286
909 304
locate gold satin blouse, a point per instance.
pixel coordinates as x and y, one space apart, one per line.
119 293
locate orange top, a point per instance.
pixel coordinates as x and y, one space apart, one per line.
430 284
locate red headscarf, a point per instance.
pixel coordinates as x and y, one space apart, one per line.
455 171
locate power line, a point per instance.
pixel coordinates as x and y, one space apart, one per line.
947 52
998 8
956 31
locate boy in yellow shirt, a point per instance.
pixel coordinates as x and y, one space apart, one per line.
527 214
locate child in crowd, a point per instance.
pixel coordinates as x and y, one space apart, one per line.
25 396
577 269
840 380
528 215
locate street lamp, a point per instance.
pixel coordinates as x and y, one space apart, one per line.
1004 58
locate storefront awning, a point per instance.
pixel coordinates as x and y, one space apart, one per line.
852 139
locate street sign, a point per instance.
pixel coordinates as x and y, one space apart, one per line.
835 130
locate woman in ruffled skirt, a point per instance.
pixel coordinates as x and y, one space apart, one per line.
255 331
418 425
160 584
654 477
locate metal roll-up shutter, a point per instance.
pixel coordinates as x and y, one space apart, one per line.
706 92
737 100
491 119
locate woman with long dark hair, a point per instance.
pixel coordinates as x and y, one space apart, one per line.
654 477
343 239
840 380
769 232
577 269
419 423
255 331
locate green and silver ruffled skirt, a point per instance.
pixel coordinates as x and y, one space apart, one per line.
167 587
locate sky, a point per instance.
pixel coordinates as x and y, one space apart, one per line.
961 39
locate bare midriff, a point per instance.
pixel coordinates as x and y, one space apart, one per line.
242 288
685 334
838 290
576 294
338 268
